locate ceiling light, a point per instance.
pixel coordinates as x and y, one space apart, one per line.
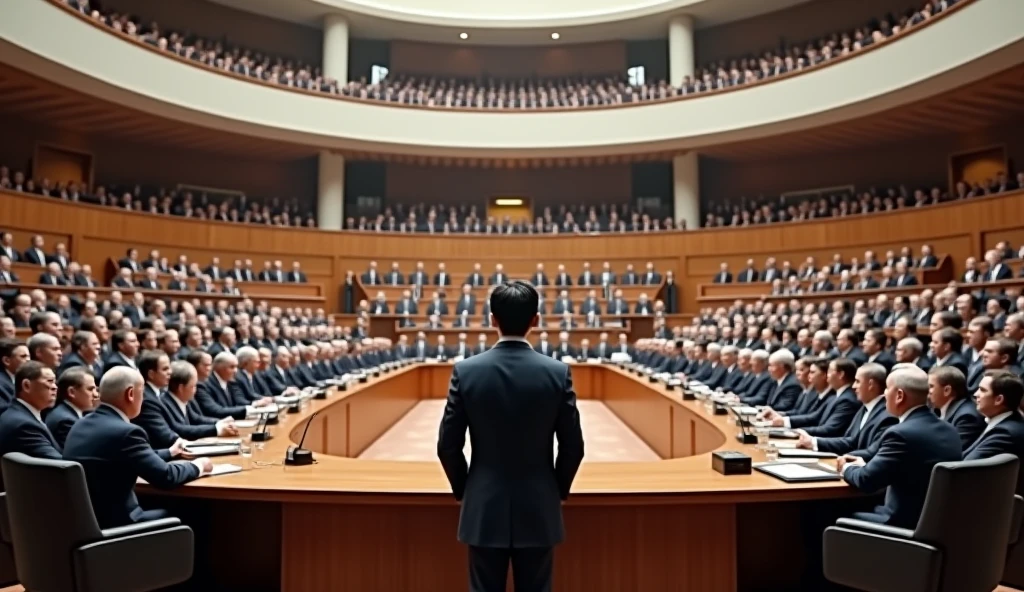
463 35
555 36
507 201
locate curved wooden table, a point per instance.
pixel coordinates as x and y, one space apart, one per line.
349 524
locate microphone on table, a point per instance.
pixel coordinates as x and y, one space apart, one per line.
261 434
297 455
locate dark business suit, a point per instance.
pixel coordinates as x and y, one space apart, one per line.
60 420
152 420
957 361
784 395
836 415
114 453
903 464
20 431
515 402
857 437
6 390
963 415
214 401
1006 437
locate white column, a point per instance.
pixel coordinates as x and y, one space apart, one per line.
680 49
336 48
686 189
330 204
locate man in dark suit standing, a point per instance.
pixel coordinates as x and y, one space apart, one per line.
906 453
522 401
115 452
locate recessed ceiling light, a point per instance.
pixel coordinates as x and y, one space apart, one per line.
463 35
555 35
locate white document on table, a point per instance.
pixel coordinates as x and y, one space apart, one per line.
225 469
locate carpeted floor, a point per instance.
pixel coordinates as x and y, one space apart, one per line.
414 437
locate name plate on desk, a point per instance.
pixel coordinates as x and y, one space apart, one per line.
730 462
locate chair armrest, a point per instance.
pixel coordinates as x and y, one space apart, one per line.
158 559
896 564
1015 519
139 528
5 526
875 528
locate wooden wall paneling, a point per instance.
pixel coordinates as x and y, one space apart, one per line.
990 238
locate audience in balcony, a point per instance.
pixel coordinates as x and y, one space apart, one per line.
529 93
167 202
762 210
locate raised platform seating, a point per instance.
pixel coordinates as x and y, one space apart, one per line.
939 274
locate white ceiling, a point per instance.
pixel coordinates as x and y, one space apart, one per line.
525 22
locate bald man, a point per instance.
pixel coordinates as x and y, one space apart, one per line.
115 452
906 452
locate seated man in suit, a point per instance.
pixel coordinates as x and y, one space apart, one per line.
755 390
183 414
946 346
836 407
12 355
85 353
999 399
874 348
947 395
867 425
124 346
76 395
114 453
21 426
242 387
212 402
563 348
906 453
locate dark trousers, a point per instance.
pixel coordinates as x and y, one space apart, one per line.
531 569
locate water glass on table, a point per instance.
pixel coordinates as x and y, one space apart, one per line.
771 453
245 450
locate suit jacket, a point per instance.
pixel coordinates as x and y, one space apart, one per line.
191 425
242 390
723 277
885 359
515 403
757 391
1006 437
975 372
463 305
856 437
855 355
114 454
6 391
784 395
903 464
154 422
214 401
963 415
20 431
60 420
113 360
956 361
836 415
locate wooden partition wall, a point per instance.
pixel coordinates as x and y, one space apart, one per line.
95 233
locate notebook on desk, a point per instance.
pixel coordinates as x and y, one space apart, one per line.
211 449
224 469
794 472
803 453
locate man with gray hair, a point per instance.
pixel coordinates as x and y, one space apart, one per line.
824 345
784 389
910 350
45 349
906 453
757 390
115 452
243 387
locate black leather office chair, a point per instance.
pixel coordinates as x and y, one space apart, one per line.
59 547
8 576
959 544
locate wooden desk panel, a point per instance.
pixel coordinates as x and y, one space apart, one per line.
312 289
390 526
451 336
393 294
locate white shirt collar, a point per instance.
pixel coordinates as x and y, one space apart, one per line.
908 412
35 412
223 384
824 393
77 411
154 387
181 405
944 409
944 360
119 412
513 338
994 421
871 404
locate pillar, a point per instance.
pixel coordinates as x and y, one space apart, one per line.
335 58
680 49
686 189
330 203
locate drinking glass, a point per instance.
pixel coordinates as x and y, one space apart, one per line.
771 453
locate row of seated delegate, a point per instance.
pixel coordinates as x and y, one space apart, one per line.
524 94
826 379
199 205
762 210
586 220
539 278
